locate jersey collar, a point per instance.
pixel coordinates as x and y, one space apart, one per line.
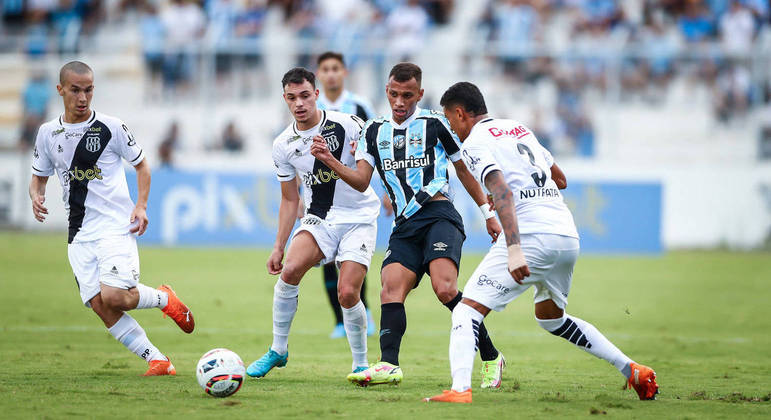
323 120
80 124
338 104
478 123
406 122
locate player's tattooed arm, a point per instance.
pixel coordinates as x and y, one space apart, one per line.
504 205
475 190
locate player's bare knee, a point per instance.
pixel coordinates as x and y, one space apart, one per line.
291 274
347 296
392 291
445 289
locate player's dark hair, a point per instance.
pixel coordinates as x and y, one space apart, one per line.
298 75
77 67
403 72
467 95
330 55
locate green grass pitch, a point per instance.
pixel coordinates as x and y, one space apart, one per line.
701 319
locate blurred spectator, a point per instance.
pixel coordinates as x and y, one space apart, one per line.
221 34
169 145
183 23
737 29
407 26
35 98
573 120
66 23
232 141
438 10
696 24
250 24
152 32
517 29
732 92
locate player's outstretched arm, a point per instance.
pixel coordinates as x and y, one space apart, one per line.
287 211
475 190
504 205
357 178
139 214
37 193
558 177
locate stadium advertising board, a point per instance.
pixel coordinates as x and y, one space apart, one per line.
208 208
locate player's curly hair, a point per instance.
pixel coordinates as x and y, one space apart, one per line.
467 95
298 75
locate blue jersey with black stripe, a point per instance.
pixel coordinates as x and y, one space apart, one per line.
411 158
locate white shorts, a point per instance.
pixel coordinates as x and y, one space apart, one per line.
341 241
550 259
112 261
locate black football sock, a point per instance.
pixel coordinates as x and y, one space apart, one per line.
362 294
393 323
330 284
487 350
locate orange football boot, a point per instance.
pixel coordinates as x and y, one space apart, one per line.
451 396
160 368
643 380
177 310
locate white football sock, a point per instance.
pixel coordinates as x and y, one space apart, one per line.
464 340
355 323
151 298
284 308
586 336
131 335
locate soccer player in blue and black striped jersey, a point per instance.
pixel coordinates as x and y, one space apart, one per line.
412 151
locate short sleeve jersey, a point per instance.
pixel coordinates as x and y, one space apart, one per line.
510 147
88 159
348 103
325 195
412 158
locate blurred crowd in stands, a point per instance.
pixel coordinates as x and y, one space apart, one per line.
632 48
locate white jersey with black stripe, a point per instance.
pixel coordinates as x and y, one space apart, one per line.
510 147
326 196
87 158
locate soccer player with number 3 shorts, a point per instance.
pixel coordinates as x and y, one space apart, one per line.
339 224
540 247
86 150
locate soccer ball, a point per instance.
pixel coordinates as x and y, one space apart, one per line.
220 372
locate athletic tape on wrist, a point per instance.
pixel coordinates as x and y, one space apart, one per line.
486 213
516 257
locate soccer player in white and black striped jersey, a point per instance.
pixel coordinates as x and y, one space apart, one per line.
86 150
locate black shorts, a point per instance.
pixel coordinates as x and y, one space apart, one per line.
435 231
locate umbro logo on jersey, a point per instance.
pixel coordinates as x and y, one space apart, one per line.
440 246
93 144
59 149
384 144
